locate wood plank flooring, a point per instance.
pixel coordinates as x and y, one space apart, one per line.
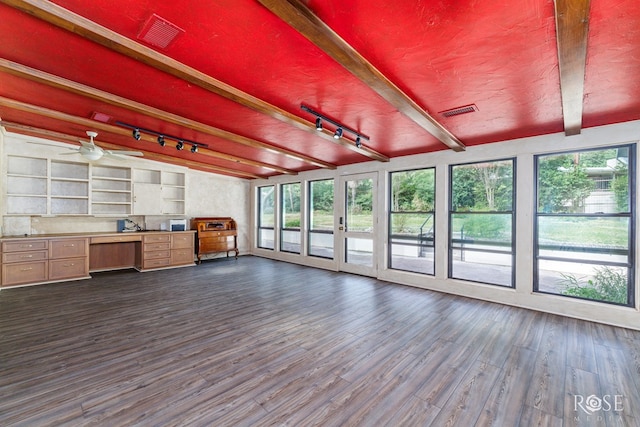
256 342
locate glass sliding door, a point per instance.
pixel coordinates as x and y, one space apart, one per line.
321 218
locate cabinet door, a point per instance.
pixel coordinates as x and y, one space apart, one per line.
147 199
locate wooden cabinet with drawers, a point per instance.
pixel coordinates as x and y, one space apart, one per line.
68 258
164 249
156 250
215 235
24 261
182 248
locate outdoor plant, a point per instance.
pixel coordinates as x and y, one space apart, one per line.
607 284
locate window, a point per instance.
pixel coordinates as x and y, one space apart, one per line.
584 229
321 218
290 218
411 221
266 218
482 221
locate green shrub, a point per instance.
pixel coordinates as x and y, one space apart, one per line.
607 284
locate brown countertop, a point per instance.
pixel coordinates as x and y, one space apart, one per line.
87 234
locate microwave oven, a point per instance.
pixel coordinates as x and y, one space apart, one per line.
178 225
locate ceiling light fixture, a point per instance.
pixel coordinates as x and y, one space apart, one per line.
162 137
340 128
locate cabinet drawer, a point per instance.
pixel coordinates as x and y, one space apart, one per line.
181 256
26 245
67 268
151 238
206 234
156 263
181 241
24 256
27 272
156 246
157 254
116 239
67 248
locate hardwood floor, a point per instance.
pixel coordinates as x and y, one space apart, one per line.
253 342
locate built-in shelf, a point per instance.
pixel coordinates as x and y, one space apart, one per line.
110 190
47 187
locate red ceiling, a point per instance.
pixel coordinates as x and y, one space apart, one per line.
499 55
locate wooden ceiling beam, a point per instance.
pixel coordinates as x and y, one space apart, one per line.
57 82
302 19
92 124
76 24
572 31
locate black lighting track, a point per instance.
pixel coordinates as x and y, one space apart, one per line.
340 128
164 135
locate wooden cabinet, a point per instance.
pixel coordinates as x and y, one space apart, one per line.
182 248
167 249
24 261
215 235
68 258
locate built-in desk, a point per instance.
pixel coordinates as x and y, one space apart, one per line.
31 260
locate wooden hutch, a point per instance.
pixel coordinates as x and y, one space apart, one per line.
214 235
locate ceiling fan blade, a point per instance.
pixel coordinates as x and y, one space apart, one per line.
66 154
124 153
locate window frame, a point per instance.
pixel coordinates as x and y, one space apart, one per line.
310 230
282 222
261 227
512 213
631 232
390 235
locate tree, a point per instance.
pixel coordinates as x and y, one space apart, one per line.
563 184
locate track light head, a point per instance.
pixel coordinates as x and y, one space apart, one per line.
318 124
136 134
194 149
338 133
358 142
161 140
180 145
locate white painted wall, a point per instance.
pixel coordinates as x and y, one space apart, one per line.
206 194
524 151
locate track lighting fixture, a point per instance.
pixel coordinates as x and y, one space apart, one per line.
340 128
137 132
